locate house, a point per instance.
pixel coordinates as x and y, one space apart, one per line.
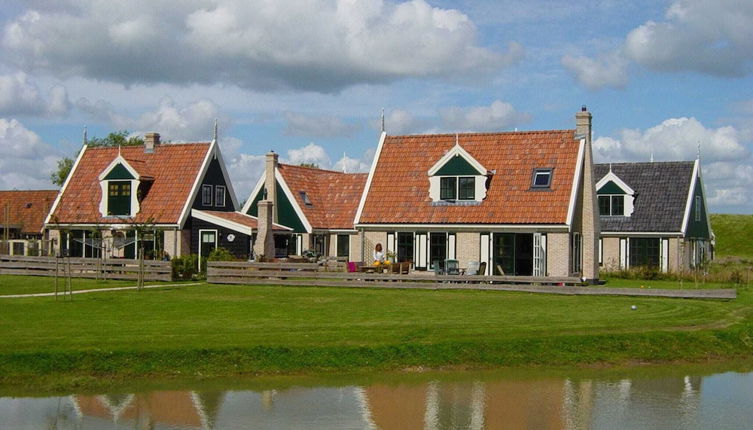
318 206
653 214
523 202
172 199
22 215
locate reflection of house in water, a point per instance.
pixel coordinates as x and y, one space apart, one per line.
477 405
183 409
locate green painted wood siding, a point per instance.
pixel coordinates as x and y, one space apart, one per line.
285 213
610 188
119 172
698 229
457 166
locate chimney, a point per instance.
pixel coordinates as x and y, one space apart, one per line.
151 140
267 211
270 182
583 124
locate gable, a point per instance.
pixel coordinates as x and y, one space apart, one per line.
118 172
286 214
457 166
214 176
610 188
698 226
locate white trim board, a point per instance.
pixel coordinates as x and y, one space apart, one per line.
232 225
611 176
530 228
293 201
65 184
576 184
257 188
195 188
366 188
456 151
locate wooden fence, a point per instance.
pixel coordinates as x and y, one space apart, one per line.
110 268
306 274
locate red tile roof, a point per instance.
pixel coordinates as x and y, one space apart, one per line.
399 191
334 195
26 209
174 168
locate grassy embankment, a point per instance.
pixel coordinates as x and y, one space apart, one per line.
225 330
734 235
13 284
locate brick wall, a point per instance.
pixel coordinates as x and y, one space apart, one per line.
468 247
611 247
558 254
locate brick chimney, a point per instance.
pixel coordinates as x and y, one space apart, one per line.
589 220
267 210
583 124
151 140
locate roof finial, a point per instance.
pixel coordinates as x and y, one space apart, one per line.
118 150
457 139
215 130
382 120
652 157
610 167
345 167
698 153
86 140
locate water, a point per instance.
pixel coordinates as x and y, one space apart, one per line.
599 400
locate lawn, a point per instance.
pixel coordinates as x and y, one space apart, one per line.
220 330
16 284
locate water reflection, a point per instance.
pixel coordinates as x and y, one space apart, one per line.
638 403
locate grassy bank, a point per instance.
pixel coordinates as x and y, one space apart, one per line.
12 284
733 235
226 330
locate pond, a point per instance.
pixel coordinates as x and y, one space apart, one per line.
630 399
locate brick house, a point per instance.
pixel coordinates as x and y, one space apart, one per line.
317 205
524 202
178 195
653 214
22 215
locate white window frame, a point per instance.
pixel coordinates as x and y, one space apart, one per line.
204 189
201 241
219 195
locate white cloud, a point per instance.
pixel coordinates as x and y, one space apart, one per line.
316 45
192 122
498 116
298 124
21 96
27 161
244 170
311 153
607 71
725 159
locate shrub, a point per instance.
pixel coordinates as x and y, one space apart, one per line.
184 267
221 254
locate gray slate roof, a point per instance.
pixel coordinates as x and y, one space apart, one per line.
661 193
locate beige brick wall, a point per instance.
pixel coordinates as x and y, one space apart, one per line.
558 254
611 248
355 247
372 238
468 247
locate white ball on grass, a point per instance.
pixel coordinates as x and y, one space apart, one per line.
634 307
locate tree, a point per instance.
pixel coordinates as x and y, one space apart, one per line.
116 138
64 168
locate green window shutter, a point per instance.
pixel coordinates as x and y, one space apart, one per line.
119 198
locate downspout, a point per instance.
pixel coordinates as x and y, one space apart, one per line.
363 246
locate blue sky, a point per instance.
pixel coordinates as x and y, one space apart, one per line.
308 79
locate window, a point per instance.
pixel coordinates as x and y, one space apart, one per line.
119 198
219 196
611 205
698 208
206 195
343 245
542 178
466 188
437 249
644 252
305 198
447 188
404 247
577 244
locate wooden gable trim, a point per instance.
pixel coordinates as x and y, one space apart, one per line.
457 151
366 188
65 185
610 176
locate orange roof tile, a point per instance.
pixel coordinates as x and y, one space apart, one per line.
334 195
174 168
26 209
399 191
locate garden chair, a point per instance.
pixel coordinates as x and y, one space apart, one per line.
473 267
452 267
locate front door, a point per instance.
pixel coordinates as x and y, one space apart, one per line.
207 243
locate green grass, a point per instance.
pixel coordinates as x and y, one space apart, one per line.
14 284
665 284
225 330
734 235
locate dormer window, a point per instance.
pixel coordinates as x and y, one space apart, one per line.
457 178
615 196
542 178
119 198
118 183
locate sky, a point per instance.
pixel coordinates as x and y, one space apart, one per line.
309 79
